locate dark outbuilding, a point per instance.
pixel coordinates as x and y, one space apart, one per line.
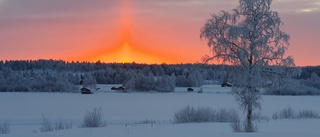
85 90
118 88
226 84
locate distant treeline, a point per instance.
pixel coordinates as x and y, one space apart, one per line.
62 76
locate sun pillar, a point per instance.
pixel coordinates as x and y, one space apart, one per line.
126 20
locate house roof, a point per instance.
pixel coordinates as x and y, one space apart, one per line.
84 89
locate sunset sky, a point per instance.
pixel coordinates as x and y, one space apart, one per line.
144 31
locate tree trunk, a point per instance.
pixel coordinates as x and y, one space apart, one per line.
249 127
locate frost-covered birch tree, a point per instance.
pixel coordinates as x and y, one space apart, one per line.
250 38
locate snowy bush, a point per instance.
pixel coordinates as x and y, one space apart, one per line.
47 126
246 128
308 114
259 117
289 113
190 114
238 126
185 115
286 113
144 122
93 119
4 128
60 125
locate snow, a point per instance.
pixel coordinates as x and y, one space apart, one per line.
125 111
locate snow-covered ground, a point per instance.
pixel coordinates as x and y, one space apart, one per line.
123 110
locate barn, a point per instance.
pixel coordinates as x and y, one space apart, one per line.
226 84
85 90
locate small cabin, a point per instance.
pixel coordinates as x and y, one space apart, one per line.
121 88
226 84
190 89
85 90
118 88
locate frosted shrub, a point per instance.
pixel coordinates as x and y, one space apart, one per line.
185 115
93 119
151 122
259 117
46 125
308 114
4 128
246 128
62 126
289 113
190 114
238 126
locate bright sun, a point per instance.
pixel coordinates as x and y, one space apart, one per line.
125 53
126 60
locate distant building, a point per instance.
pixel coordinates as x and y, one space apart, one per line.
226 84
85 90
121 88
118 88
190 89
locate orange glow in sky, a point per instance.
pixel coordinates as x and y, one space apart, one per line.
141 31
129 50
126 51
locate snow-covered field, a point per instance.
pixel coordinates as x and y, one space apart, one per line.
123 112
